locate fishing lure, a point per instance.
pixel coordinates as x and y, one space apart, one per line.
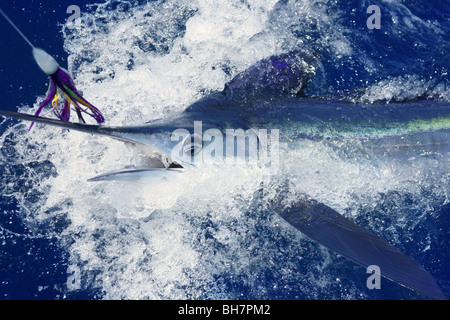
61 86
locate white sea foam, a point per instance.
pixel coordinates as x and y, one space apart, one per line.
194 237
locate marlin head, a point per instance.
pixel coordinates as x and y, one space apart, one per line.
168 147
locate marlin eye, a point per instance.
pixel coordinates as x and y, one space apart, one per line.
192 144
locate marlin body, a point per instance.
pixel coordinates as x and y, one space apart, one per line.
264 107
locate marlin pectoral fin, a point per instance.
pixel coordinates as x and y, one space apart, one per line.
329 228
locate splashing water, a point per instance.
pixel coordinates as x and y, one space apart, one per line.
207 235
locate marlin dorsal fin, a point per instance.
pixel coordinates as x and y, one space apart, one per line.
279 74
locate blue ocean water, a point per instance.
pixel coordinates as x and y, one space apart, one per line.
405 60
30 267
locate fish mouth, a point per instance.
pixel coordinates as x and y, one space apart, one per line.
154 165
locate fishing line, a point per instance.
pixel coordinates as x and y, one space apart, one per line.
17 29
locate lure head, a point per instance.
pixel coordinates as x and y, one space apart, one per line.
45 61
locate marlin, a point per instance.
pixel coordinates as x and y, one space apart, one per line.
270 95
